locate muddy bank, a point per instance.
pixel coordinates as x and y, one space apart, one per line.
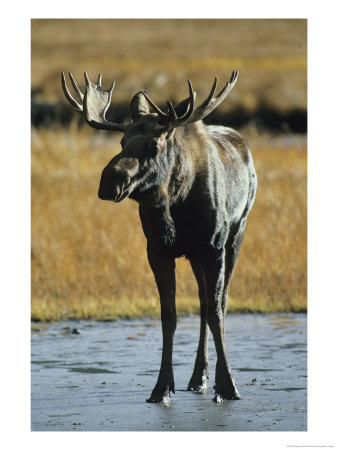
96 376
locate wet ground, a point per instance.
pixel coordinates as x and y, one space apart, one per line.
96 376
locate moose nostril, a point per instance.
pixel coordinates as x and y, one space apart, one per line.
116 191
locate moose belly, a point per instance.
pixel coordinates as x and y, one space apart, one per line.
193 234
196 234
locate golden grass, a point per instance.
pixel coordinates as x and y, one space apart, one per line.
160 55
89 258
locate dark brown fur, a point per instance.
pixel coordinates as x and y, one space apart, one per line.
195 188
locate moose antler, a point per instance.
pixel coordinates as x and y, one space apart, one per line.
93 103
193 115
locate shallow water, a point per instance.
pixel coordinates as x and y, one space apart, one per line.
99 379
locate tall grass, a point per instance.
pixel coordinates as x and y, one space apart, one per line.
89 258
160 55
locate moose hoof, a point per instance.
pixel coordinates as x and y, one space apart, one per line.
221 396
164 401
198 387
160 396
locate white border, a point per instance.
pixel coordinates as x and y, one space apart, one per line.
15 222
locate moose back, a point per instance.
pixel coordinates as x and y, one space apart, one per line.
195 185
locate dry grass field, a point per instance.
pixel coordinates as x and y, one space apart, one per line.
88 256
160 55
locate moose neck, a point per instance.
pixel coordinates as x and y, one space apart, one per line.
187 155
182 171
179 166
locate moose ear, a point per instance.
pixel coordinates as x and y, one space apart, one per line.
182 107
138 106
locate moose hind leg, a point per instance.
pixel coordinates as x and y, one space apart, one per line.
198 380
232 247
214 274
164 272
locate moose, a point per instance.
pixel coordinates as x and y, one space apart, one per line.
195 185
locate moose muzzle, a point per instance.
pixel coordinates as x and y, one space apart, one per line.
114 184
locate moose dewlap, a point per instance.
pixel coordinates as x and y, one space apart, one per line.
195 185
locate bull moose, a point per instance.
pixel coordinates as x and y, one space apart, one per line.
195 185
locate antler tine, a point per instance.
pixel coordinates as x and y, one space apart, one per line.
212 102
75 86
171 116
71 100
154 106
112 87
172 112
208 100
190 110
87 80
192 114
229 85
99 82
94 102
211 95
234 76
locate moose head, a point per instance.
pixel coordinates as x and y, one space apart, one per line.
147 150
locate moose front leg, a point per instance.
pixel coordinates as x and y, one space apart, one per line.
164 272
214 276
